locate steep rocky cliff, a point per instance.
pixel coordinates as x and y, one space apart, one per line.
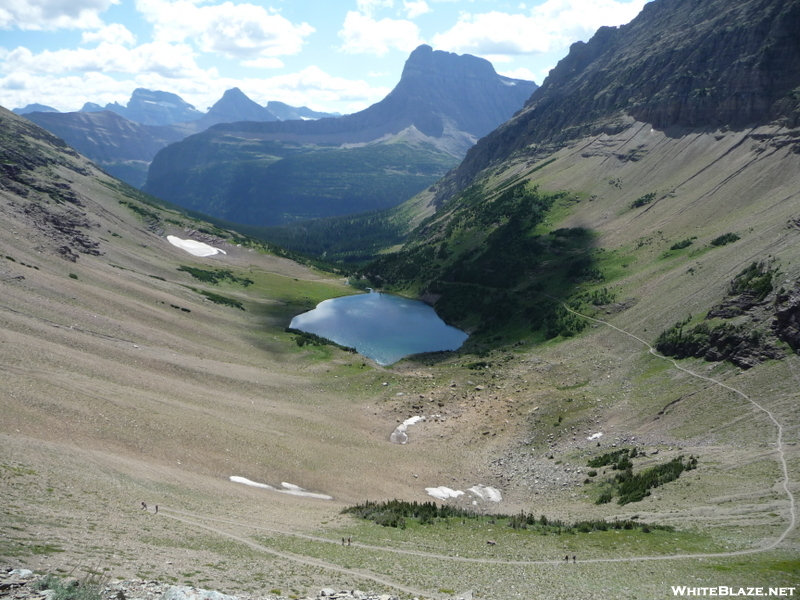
679 63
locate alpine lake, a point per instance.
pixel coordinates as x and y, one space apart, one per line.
380 326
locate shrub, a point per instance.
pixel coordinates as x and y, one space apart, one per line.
682 244
643 200
725 238
88 589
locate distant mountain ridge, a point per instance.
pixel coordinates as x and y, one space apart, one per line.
150 107
268 173
29 108
124 139
451 99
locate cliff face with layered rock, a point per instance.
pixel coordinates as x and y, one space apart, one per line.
678 64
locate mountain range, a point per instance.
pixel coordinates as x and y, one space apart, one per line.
124 139
626 259
269 173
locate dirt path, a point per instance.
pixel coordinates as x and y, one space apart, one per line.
779 438
287 555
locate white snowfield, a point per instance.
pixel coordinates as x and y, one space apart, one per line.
400 434
288 488
193 247
481 492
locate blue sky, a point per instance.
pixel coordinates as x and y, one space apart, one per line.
331 55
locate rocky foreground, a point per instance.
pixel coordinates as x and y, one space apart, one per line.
24 584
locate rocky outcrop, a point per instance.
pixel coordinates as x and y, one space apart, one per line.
24 584
786 324
52 205
746 328
679 63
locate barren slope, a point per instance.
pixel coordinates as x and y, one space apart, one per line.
121 384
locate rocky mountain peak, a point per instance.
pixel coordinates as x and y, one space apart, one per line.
425 63
462 88
236 106
159 108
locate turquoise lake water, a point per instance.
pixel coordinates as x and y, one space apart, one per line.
382 327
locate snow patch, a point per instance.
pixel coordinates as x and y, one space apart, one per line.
193 247
399 435
595 436
481 492
486 493
288 488
443 493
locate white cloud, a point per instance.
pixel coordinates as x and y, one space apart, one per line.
53 14
553 25
520 73
173 61
316 86
111 34
494 33
234 30
370 7
29 79
363 34
415 9
63 93
267 62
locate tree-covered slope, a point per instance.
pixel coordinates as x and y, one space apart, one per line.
267 182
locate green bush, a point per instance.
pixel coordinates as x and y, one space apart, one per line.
682 244
214 277
643 200
725 238
88 589
755 279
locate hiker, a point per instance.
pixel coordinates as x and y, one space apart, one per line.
156 509
574 558
342 541
566 558
144 505
348 541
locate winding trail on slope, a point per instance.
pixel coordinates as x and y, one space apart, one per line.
780 447
196 520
